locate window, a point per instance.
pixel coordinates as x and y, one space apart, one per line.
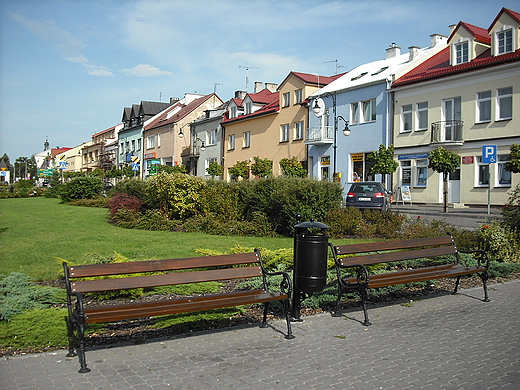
406 117
406 172
503 176
461 52
505 103
139 144
150 142
298 130
354 113
482 173
483 106
207 162
505 41
159 140
286 99
212 137
298 96
369 110
284 133
233 112
422 116
133 144
231 142
421 169
249 108
246 143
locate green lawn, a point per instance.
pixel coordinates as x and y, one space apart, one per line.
34 232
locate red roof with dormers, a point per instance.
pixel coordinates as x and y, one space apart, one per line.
263 97
238 102
314 79
480 34
272 104
513 14
184 110
439 66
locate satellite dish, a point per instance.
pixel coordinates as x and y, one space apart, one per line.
318 107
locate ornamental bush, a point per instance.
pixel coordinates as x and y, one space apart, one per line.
500 242
511 210
84 187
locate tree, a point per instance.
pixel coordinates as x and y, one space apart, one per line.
262 167
513 165
240 169
445 162
214 169
384 162
292 167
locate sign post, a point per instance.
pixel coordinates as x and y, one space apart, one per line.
489 156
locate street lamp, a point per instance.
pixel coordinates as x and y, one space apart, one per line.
202 145
346 131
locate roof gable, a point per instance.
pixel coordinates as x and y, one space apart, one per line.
514 15
478 33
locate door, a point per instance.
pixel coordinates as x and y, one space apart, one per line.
451 111
454 187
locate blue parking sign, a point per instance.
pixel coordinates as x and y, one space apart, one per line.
489 154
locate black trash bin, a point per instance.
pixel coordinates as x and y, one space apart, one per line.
311 245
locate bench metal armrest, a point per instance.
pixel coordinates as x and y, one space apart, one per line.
363 277
483 256
285 285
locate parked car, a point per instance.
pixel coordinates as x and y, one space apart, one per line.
368 195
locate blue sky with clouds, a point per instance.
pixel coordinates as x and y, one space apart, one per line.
69 67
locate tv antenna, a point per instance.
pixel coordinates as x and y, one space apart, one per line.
215 87
337 65
247 73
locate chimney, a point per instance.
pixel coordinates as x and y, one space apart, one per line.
414 52
393 51
272 87
452 27
173 100
240 94
437 38
258 86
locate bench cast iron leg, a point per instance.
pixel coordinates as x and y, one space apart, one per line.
287 307
484 276
264 320
364 298
336 313
81 354
456 285
70 332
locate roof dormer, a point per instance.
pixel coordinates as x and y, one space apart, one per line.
467 42
504 32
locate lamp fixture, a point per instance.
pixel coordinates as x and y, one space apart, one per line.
181 134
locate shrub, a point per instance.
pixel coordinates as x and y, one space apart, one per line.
82 187
500 242
100 201
344 222
511 210
134 187
123 201
221 198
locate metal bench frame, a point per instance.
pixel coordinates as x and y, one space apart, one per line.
162 273
362 255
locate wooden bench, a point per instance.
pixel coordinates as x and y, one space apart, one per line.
165 272
360 256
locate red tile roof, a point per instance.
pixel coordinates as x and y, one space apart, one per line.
513 14
56 151
439 66
263 97
480 34
269 108
313 79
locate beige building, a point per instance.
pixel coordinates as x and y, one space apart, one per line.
166 136
270 123
465 98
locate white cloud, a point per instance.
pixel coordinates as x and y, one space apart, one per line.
145 70
95 70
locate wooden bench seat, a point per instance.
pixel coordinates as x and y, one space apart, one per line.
163 273
357 257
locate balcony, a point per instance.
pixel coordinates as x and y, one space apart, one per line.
447 133
320 135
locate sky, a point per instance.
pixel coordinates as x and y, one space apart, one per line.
69 67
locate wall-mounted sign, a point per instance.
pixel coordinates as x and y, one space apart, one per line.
468 160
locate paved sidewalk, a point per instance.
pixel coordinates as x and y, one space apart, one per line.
438 342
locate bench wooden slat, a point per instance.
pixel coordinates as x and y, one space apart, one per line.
92 270
183 305
86 286
392 245
397 256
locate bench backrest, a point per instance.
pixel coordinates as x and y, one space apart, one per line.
395 250
226 268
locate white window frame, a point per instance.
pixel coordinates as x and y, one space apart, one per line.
206 164
500 181
406 118
504 40
480 169
298 96
421 172
286 99
422 116
150 142
211 137
159 140
298 130
246 139
502 99
233 112
284 133
406 165
354 113
483 105
248 108
461 52
231 142
368 108
138 143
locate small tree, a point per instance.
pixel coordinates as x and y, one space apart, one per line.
384 162
445 162
292 167
240 169
513 165
214 169
262 167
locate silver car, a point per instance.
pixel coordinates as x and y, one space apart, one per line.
368 195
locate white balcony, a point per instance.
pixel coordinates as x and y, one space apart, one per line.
320 135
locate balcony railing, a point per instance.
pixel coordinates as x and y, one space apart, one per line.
320 135
447 132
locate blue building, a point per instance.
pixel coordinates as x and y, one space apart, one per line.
352 116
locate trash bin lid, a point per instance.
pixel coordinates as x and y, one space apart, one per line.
312 224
